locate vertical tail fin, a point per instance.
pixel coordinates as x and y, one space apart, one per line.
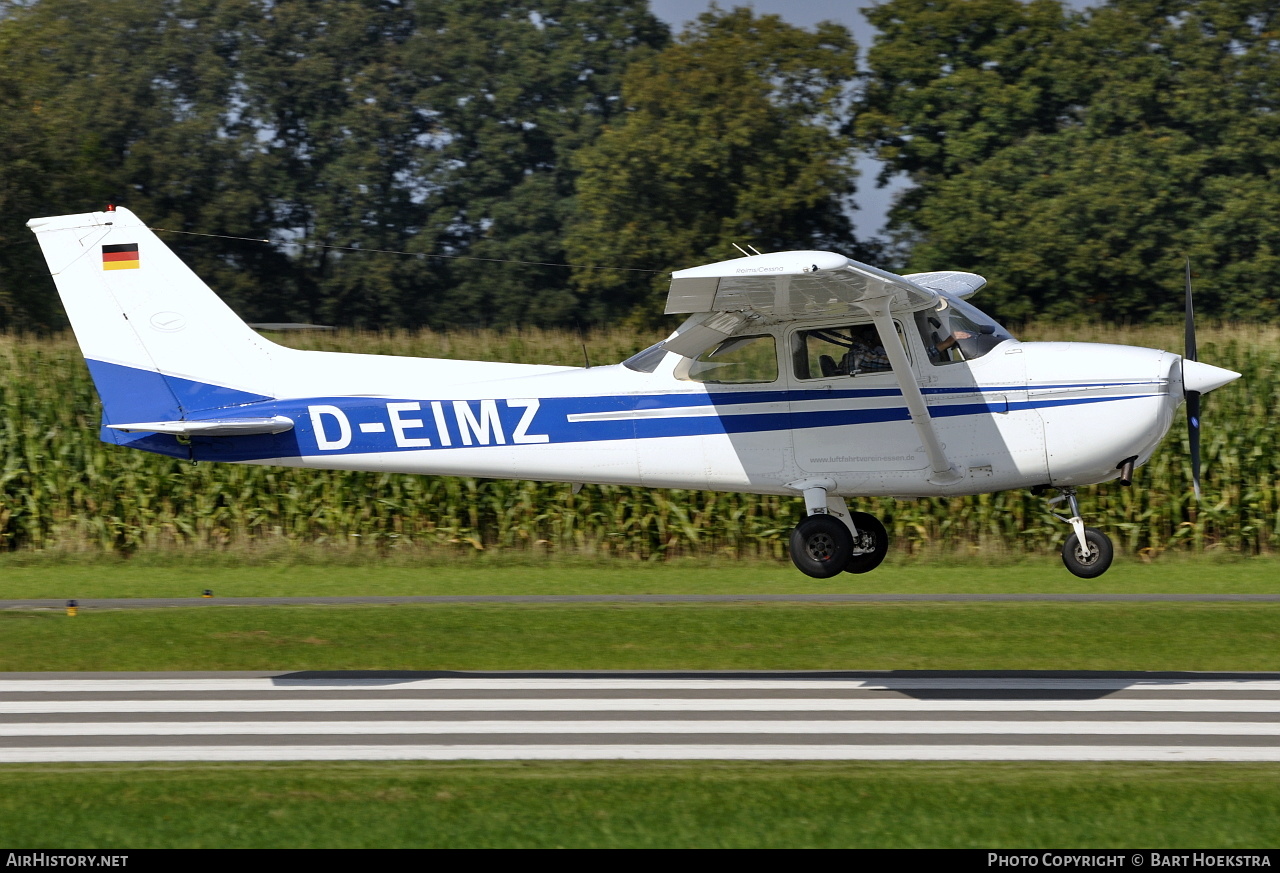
159 343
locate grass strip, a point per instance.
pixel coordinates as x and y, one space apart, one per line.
746 636
175 576
640 805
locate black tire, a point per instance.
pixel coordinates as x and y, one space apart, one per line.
821 546
1093 565
873 539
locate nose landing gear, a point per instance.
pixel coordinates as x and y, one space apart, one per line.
1087 552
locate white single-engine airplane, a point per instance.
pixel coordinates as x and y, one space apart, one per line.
800 373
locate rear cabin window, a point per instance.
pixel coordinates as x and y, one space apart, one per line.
647 361
737 360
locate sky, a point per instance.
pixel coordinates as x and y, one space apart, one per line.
802 13
873 203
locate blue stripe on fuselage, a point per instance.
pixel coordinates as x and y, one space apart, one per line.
393 428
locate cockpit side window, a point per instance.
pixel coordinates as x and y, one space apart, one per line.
955 331
852 350
737 360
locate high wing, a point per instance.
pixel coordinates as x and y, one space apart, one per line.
788 286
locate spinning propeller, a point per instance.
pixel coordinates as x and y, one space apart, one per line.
1197 379
1192 397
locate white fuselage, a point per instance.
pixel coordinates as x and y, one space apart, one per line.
1024 414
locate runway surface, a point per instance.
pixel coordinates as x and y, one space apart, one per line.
724 716
157 602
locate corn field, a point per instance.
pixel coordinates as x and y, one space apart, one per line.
64 491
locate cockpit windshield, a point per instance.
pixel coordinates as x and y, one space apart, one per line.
958 331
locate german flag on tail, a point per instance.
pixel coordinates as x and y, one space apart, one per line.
120 257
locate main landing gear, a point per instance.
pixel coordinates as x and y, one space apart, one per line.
823 545
1088 551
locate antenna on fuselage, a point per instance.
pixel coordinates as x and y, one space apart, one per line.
745 253
582 338
754 250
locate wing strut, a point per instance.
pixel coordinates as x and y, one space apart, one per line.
943 471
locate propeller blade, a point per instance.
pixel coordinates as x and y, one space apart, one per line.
1193 437
1192 397
1189 350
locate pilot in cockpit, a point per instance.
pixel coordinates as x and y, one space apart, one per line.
866 353
951 339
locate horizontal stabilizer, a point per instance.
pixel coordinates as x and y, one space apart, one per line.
216 428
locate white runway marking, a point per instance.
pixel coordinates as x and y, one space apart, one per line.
780 717
639 704
303 728
645 753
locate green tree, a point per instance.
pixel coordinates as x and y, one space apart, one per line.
516 90
1064 225
325 88
729 135
335 128
953 81
120 102
1149 135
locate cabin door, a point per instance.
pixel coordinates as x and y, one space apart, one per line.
847 413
